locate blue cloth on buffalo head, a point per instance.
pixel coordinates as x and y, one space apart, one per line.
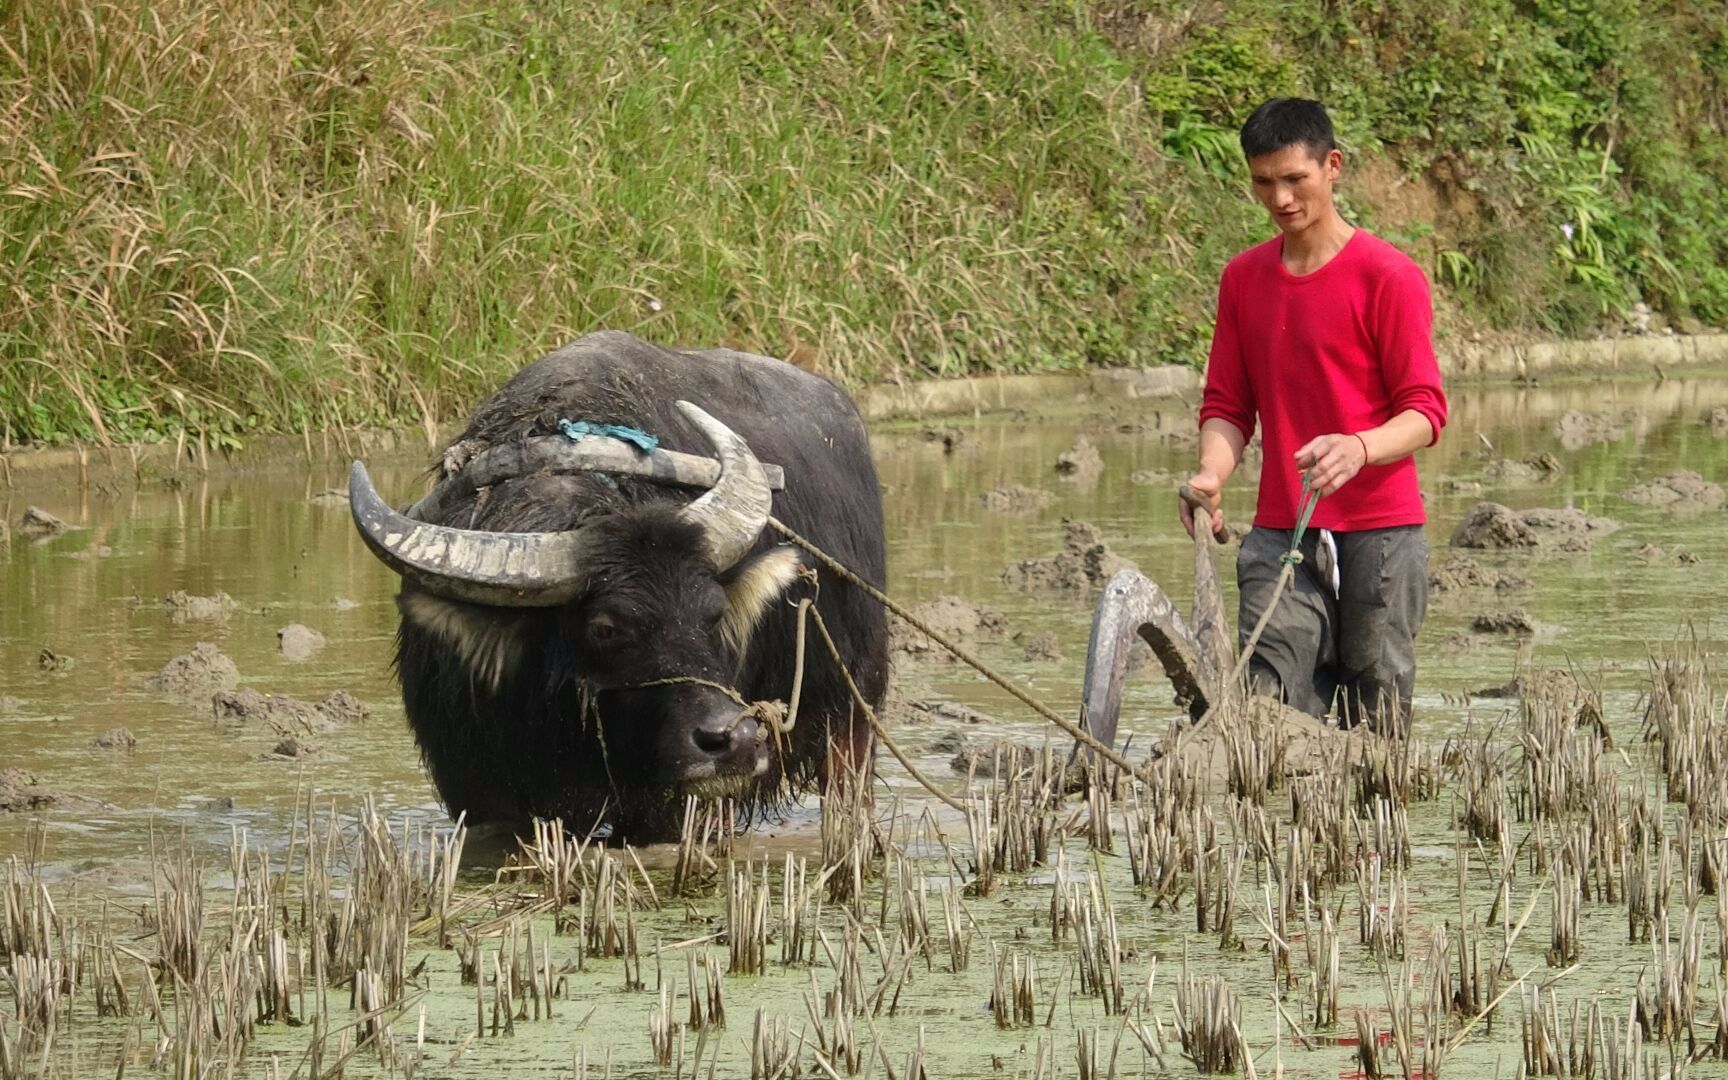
577 430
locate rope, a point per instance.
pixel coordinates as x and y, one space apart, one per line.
1290 560
1068 727
875 723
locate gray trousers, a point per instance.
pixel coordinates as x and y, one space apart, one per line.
1355 649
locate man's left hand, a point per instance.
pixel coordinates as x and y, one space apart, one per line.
1331 460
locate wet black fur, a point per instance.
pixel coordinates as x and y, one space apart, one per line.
530 749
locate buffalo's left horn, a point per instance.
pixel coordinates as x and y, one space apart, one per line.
504 569
734 511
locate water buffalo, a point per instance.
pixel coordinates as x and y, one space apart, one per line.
575 637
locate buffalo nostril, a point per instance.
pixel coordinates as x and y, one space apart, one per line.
714 740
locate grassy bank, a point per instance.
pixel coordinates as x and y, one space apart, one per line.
237 215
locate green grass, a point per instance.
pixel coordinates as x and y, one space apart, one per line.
222 217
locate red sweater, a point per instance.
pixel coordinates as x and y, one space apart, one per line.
1340 350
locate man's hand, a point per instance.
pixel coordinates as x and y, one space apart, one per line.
1331 460
1208 488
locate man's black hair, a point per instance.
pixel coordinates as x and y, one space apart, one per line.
1283 122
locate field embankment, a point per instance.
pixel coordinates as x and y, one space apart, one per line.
249 215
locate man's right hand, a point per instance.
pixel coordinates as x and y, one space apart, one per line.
1208 489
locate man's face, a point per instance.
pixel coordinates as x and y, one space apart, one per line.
1295 186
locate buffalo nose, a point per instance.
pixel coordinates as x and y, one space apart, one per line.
719 739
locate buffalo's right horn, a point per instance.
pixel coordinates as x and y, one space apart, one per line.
504 569
733 513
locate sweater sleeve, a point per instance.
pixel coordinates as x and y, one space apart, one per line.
1404 336
1228 394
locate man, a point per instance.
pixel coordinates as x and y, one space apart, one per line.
1324 338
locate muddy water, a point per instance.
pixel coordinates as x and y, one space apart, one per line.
94 595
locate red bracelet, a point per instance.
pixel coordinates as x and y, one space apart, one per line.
1364 442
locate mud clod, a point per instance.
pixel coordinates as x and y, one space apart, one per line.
184 607
10 705
1534 685
1680 491
1538 469
1718 421
1042 646
21 791
1513 621
116 739
291 749
49 660
1080 463
955 618
1150 477
1458 573
1492 526
1496 527
1084 563
331 499
199 673
285 713
39 524
1016 499
917 711
297 642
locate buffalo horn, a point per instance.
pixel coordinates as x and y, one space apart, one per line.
504 569
734 511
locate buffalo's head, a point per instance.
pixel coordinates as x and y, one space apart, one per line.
631 627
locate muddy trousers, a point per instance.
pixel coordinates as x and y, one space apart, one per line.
1353 647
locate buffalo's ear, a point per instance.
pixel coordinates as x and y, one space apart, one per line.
751 587
489 640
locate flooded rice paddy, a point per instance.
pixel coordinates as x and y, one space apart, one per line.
1563 815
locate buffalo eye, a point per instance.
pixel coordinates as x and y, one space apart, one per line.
603 631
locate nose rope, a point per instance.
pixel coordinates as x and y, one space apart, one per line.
776 717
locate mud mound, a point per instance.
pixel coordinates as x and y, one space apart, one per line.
1150 477
1514 621
1650 553
1307 743
21 791
116 739
39 524
1459 573
1580 429
1570 529
1016 499
297 642
284 713
49 660
331 499
955 618
1084 563
1680 491
1080 464
184 607
1496 527
1042 647
1539 469
1533 685
919 711
997 758
199 673
9 705
291 749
